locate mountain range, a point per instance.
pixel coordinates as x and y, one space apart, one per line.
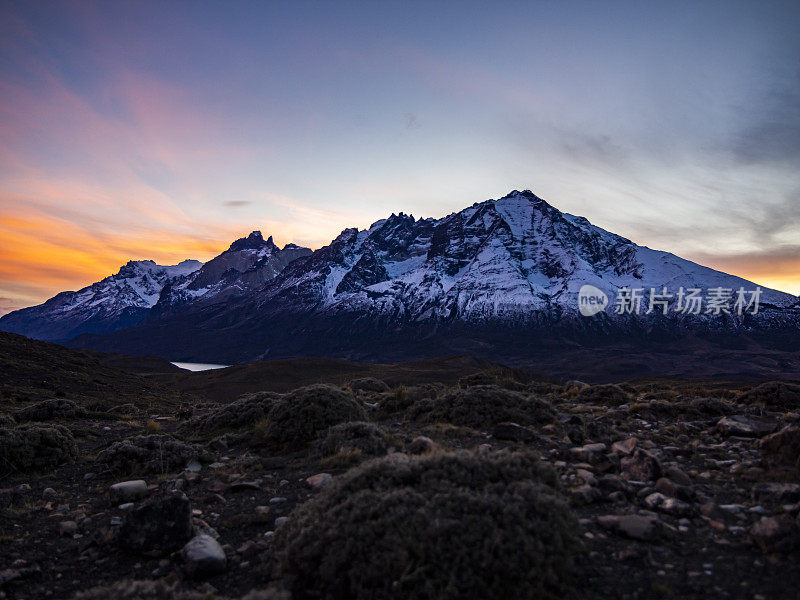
499 279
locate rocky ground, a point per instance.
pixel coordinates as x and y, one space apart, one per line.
491 487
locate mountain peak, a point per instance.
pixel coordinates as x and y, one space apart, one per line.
524 195
254 241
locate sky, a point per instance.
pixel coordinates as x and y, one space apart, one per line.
165 130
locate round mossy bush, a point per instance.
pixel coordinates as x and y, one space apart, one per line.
244 411
402 397
459 525
367 438
773 394
300 416
482 406
30 447
149 453
49 410
609 395
368 384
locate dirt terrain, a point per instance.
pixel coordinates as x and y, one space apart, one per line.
488 485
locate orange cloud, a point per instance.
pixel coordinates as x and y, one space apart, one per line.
779 270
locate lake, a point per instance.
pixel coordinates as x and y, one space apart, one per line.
189 366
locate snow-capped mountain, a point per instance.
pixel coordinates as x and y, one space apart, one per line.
143 291
247 265
491 279
118 301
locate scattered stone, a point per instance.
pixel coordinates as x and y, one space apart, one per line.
614 483
277 500
13 574
678 476
670 506
776 492
160 525
204 557
590 453
776 534
584 494
319 480
641 466
245 486
421 445
745 426
512 432
67 528
636 527
782 447
625 447
128 491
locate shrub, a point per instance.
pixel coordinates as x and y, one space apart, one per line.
403 397
609 395
301 415
482 406
451 526
773 394
47 410
242 412
695 408
502 378
7 421
149 453
35 447
543 388
368 439
368 384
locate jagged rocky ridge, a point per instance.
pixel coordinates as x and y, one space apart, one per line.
118 301
143 290
497 279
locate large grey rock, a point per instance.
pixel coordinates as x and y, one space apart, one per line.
637 527
204 557
746 426
128 491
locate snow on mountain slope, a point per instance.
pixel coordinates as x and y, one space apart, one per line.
488 279
118 301
247 265
501 259
143 290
